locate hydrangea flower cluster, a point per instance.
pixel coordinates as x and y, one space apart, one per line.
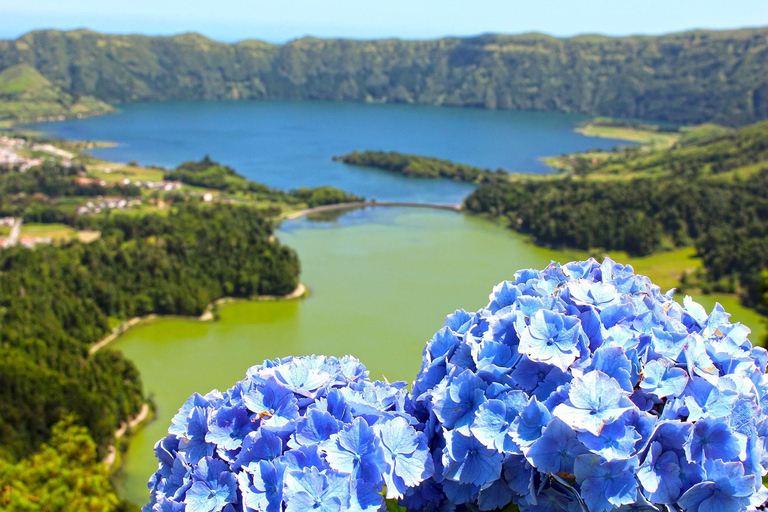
298 434
578 388
583 388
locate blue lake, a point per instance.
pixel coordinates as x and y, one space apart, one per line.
290 144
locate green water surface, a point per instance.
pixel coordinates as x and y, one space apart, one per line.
381 280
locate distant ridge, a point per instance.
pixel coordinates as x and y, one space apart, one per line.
688 77
26 95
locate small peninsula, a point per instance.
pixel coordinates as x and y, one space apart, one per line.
419 166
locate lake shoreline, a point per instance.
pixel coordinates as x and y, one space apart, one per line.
145 414
124 432
208 315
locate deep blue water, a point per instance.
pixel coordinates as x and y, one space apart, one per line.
290 144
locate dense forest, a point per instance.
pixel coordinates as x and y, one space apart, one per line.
65 475
712 194
690 77
419 166
57 301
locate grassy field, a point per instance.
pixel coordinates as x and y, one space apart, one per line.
119 172
27 95
565 162
656 140
55 232
88 236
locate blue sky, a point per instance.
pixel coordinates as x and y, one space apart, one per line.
282 20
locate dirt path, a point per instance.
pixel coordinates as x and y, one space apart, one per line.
120 329
13 238
111 456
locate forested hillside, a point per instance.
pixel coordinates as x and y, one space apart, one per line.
57 301
26 95
712 194
691 77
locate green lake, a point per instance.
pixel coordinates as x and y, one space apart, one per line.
381 280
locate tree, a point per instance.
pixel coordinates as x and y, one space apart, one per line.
65 475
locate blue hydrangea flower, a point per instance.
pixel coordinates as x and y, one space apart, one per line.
607 371
551 338
296 434
493 422
663 379
660 475
727 489
617 440
272 403
456 402
468 461
227 427
213 488
262 488
711 439
311 490
356 450
556 450
606 484
408 461
593 401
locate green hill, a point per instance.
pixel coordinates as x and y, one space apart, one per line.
711 193
26 95
705 150
690 77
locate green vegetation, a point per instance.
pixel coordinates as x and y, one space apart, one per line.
26 95
212 175
419 166
320 196
691 77
655 136
64 475
56 302
35 193
58 232
710 192
705 151
173 254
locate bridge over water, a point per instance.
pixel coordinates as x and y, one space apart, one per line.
369 204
